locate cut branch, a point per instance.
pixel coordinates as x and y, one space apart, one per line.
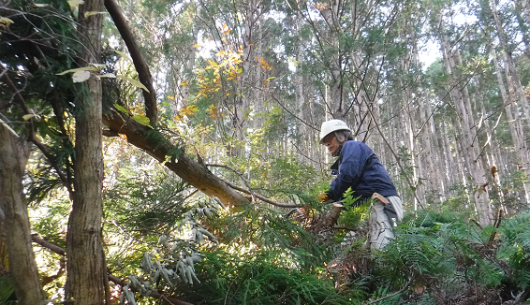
139 63
155 144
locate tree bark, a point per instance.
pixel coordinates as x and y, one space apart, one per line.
85 264
13 158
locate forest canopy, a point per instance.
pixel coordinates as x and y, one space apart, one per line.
168 152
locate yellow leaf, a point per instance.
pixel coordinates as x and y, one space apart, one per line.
29 116
184 83
227 31
5 22
121 135
88 14
171 97
196 46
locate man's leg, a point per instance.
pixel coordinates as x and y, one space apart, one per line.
382 220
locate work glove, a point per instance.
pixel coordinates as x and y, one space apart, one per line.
323 197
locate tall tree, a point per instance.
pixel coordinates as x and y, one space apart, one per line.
14 153
469 137
86 271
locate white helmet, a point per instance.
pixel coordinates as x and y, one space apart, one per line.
331 126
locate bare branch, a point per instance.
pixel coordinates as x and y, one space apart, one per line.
262 198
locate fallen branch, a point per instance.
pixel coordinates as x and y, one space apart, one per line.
155 294
157 145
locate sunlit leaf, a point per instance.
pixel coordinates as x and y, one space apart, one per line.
90 68
88 14
80 76
5 22
196 46
121 109
134 82
122 54
40 5
29 116
108 75
75 3
141 119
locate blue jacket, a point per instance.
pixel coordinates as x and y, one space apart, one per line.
359 168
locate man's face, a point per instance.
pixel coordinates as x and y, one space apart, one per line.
332 144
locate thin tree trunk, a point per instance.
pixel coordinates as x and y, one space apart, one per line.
468 132
85 264
515 89
13 157
514 123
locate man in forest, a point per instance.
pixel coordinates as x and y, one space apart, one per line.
359 168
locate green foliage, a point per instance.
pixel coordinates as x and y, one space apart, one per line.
7 290
229 279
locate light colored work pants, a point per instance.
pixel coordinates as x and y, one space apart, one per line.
382 222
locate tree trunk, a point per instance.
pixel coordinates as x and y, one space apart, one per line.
514 123
85 265
468 132
13 158
515 89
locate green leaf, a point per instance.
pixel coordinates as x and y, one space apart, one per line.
122 54
91 68
141 119
134 82
121 109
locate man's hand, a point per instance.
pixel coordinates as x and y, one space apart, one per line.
323 197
